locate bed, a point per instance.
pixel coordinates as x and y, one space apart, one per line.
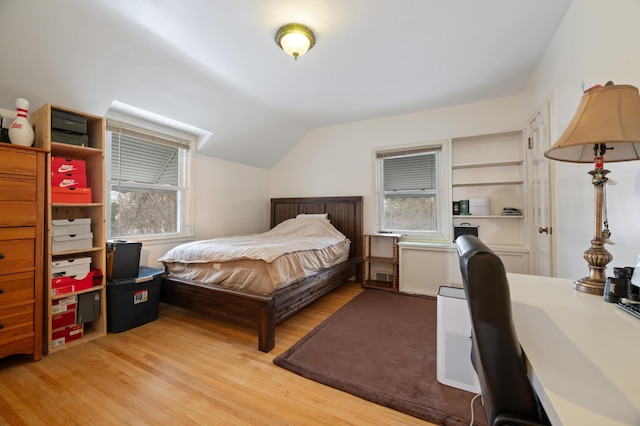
264 311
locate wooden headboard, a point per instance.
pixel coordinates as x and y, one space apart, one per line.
345 213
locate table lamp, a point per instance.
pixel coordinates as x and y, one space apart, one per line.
607 122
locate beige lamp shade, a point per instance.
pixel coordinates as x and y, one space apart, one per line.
606 115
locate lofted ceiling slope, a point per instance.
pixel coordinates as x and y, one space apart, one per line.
213 64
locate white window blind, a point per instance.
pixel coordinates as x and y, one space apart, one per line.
142 156
414 172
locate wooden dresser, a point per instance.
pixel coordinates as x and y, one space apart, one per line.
22 178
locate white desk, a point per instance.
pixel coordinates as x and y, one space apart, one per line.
584 353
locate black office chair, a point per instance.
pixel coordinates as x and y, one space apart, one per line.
496 355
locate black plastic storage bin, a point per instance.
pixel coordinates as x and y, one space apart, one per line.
123 259
135 301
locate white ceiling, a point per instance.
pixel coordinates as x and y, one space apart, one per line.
214 64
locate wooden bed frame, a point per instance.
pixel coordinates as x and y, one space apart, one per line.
264 312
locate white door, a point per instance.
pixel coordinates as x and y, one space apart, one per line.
540 200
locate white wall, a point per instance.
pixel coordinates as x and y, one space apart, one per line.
230 199
338 160
597 41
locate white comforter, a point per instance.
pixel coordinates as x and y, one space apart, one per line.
293 235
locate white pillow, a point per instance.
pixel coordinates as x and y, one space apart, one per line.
322 215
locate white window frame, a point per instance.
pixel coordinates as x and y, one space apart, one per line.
441 148
186 229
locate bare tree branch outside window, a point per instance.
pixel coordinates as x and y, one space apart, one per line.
135 212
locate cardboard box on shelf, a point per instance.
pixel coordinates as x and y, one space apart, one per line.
64 285
79 266
68 181
60 165
68 122
480 206
71 195
69 303
60 288
70 226
60 243
66 335
69 138
63 319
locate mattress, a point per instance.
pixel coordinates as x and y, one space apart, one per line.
261 263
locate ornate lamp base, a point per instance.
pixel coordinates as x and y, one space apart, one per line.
587 286
597 257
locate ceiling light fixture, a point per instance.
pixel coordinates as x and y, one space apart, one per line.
295 39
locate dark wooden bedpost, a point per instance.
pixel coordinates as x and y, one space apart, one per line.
267 327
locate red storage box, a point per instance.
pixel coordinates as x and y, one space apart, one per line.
70 195
63 319
61 289
68 166
68 181
62 285
66 335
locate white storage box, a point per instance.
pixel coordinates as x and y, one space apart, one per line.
70 226
453 362
480 206
71 242
71 267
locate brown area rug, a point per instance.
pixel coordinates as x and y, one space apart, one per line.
381 346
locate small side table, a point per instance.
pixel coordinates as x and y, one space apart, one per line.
369 260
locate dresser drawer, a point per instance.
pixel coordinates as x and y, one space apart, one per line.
16 323
17 189
18 213
22 346
18 162
17 246
16 288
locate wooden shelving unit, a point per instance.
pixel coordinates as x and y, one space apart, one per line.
369 260
93 156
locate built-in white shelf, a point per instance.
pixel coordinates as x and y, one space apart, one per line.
499 216
492 164
501 182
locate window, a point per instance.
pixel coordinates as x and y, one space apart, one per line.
148 176
412 188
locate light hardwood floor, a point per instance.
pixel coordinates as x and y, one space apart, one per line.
183 369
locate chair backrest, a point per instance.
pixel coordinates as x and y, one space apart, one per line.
495 351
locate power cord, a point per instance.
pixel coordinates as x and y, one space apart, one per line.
472 401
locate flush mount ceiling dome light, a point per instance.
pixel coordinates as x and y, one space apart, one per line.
295 39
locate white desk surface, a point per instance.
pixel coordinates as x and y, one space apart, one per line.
584 353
